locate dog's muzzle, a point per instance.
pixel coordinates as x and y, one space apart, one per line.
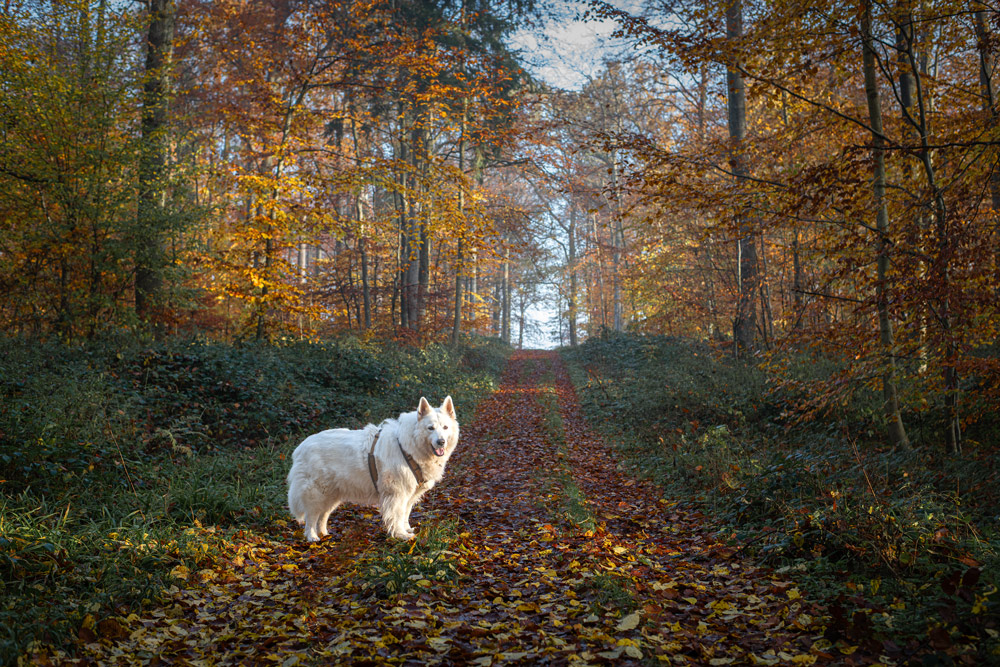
439 447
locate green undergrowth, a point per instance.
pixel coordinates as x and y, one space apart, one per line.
907 539
121 460
398 568
608 592
572 502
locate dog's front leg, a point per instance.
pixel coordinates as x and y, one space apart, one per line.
395 517
409 510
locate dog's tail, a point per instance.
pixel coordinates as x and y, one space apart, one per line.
295 506
296 509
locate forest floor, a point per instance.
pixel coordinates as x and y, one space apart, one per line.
534 549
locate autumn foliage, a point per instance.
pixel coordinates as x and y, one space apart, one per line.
767 230
311 181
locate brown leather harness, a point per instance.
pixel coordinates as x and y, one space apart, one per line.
373 469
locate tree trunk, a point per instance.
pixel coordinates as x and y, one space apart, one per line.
474 301
600 274
797 302
359 212
745 322
456 328
505 299
571 260
153 157
617 248
987 65
941 267
890 399
522 306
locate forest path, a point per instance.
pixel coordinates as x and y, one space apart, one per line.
535 549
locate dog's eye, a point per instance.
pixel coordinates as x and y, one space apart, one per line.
445 427
430 428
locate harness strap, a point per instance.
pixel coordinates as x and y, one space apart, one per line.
414 467
373 469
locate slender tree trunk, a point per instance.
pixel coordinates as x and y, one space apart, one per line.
366 293
505 299
766 314
987 65
423 276
522 306
474 301
415 241
456 329
153 157
941 267
890 404
359 212
301 262
497 311
745 322
797 281
617 248
600 274
571 260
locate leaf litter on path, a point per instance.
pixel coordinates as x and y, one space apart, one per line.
501 572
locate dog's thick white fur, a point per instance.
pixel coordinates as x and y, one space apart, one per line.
331 467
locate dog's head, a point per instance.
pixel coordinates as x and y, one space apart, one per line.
437 426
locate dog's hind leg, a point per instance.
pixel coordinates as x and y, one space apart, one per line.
323 518
310 527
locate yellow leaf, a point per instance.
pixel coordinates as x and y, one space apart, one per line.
804 659
630 622
619 550
633 652
180 572
793 594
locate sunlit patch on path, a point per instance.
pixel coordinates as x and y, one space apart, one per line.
535 549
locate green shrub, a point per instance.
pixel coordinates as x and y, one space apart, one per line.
818 494
113 453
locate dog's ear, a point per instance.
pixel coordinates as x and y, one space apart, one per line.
448 407
424 408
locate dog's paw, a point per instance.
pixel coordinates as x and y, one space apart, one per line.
403 534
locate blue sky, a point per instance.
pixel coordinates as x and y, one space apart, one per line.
567 49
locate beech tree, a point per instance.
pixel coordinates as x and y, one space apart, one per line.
153 157
882 271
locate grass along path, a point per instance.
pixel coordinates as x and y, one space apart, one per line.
534 549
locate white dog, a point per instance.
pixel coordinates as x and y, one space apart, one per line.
389 466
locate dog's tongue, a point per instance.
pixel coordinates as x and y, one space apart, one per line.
439 451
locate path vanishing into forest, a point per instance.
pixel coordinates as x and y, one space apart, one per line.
535 549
